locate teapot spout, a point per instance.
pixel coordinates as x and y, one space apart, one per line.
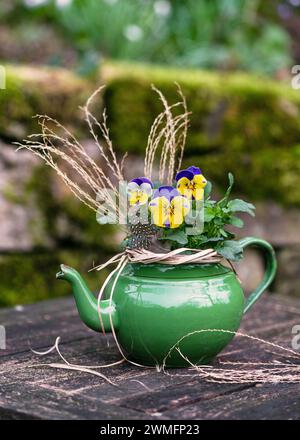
86 302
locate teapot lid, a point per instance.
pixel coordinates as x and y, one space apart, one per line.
158 270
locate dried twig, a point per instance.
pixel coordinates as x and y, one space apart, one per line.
167 135
86 178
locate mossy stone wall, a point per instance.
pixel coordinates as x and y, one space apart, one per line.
239 123
31 90
30 277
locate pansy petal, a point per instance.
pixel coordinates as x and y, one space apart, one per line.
132 186
145 180
140 180
180 203
146 187
184 173
179 208
197 185
136 180
200 180
194 170
183 186
137 197
133 198
184 181
143 197
174 193
164 191
198 193
159 208
159 201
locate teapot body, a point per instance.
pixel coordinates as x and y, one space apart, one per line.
163 312
164 315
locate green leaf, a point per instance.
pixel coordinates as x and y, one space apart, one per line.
209 214
230 235
238 205
223 233
208 217
179 236
236 222
231 250
223 202
203 242
214 240
207 190
231 181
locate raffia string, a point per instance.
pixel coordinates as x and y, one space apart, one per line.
234 372
247 372
176 257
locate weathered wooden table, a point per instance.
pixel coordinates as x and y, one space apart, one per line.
48 393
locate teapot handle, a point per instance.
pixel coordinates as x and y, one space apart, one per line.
270 270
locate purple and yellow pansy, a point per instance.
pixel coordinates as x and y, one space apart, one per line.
168 207
191 183
139 191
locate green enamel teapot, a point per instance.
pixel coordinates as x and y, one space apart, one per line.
160 313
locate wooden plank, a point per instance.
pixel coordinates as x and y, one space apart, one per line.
42 402
39 325
141 393
266 402
65 384
166 400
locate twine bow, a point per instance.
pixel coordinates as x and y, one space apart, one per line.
176 257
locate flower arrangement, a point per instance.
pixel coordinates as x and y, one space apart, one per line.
176 211
170 206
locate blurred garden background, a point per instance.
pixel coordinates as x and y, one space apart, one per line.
233 60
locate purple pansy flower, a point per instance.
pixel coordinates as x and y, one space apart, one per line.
168 207
166 191
189 173
191 183
139 190
141 180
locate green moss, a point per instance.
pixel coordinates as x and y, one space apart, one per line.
31 277
62 219
31 90
239 122
228 110
258 175
81 242
11 195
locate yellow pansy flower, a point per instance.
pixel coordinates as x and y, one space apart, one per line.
168 207
191 183
139 190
